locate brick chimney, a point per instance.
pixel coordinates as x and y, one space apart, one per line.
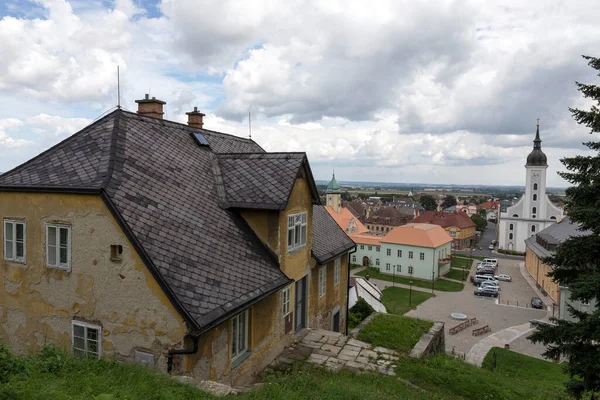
195 118
151 107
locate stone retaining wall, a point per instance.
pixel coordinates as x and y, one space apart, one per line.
433 342
354 332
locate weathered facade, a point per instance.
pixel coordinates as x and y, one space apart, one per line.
180 248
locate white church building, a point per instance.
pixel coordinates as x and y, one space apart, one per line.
534 211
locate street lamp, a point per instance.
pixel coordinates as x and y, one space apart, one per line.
410 282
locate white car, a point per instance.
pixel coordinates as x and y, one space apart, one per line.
503 277
490 285
491 247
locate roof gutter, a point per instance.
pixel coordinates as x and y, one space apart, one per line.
193 350
348 288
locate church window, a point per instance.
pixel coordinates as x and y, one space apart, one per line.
510 236
511 227
535 186
535 197
553 217
515 215
532 228
534 210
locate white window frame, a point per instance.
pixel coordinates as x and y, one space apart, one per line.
377 261
85 327
362 246
322 281
337 271
377 248
388 267
400 253
13 242
297 231
353 258
422 256
56 262
398 269
241 347
370 248
410 254
388 252
285 301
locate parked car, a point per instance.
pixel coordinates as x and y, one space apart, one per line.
485 292
486 271
491 247
491 261
503 277
491 285
536 302
483 278
482 266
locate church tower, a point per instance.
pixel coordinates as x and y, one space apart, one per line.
535 182
334 195
534 211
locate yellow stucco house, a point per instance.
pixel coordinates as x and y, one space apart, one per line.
184 249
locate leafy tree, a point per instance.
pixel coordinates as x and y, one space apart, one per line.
480 223
346 196
576 261
428 203
449 201
482 213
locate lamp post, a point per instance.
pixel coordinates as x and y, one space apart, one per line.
393 275
410 282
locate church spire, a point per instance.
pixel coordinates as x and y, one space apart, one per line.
537 142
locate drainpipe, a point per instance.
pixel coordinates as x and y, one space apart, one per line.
193 350
348 288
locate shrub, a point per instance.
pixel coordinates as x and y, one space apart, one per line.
9 365
50 360
359 312
511 252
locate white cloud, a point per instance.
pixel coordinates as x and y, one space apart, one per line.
384 90
7 142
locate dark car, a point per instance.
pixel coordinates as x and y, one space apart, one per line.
485 292
536 302
486 271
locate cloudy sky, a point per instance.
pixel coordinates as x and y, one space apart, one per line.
388 91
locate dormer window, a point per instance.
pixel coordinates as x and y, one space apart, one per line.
296 231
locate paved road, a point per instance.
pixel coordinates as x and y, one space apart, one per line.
486 310
488 235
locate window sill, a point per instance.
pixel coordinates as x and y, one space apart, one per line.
295 249
66 269
24 262
240 359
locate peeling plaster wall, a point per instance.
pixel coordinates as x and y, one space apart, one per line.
321 309
37 304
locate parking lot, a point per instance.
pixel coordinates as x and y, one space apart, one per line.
488 311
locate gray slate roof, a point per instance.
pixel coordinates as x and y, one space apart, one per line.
554 235
329 241
258 180
160 185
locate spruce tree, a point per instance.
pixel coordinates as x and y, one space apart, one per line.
577 260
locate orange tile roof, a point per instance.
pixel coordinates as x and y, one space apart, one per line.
344 218
423 235
364 238
445 219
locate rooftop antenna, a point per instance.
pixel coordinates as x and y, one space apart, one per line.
249 123
118 88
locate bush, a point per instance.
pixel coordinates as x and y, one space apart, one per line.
359 312
9 364
511 252
51 360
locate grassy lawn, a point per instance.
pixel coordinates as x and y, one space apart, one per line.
52 375
463 262
442 285
455 378
394 332
396 299
458 274
511 365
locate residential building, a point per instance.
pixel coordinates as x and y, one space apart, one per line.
421 251
189 250
470 209
565 299
458 225
385 218
542 245
534 211
491 208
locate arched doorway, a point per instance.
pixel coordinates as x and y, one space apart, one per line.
510 246
365 262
